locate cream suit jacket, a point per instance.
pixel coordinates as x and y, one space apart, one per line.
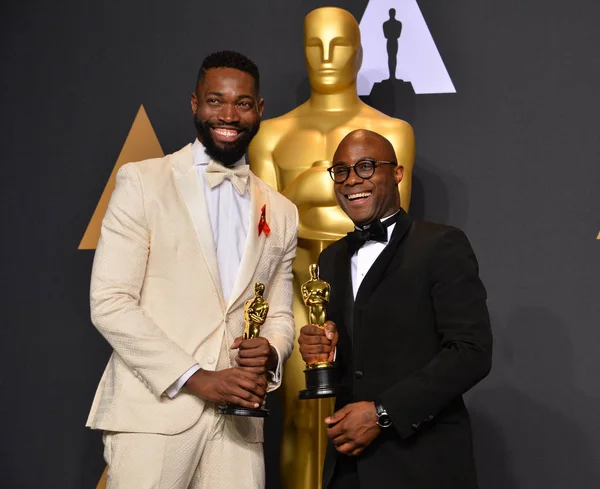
157 299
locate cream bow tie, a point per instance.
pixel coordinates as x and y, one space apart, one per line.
238 175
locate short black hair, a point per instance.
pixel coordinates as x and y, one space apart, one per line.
230 59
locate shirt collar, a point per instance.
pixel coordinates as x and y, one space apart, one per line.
387 221
201 157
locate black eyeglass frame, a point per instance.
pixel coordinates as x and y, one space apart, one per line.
353 167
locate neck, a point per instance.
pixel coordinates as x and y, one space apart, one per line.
390 214
387 219
343 100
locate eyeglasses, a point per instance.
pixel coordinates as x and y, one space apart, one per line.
364 168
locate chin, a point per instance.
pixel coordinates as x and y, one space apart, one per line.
358 220
325 86
225 146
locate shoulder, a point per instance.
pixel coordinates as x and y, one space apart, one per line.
440 240
270 133
279 203
400 133
273 129
142 167
383 122
396 129
329 257
433 231
288 116
151 167
328 254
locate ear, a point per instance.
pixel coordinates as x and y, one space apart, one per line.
359 57
399 174
194 102
261 107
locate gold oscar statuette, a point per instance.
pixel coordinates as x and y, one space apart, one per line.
255 314
321 377
291 153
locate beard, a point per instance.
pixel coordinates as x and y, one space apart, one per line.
228 153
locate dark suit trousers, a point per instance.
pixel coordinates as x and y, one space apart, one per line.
345 475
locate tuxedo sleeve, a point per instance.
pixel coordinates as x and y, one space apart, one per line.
279 327
117 279
459 302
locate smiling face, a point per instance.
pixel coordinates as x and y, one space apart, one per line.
366 200
227 112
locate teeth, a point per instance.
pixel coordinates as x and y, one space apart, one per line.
226 132
359 196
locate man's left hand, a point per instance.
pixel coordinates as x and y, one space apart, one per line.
256 354
354 427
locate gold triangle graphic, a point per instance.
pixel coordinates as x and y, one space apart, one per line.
141 144
102 481
598 237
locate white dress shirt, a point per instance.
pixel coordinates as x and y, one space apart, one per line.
229 214
362 261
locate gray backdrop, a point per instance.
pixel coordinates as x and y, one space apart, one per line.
512 158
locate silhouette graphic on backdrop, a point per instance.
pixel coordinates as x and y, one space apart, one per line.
419 62
393 97
392 29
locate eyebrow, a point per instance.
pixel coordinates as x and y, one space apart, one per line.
364 158
357 159
239 97
337 39
341 40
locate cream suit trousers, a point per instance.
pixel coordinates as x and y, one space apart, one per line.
209 455
194 459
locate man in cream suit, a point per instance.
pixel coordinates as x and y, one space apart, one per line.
184 240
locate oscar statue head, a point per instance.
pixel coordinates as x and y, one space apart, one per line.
332 49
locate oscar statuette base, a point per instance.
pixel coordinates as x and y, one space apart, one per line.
321 381
234 410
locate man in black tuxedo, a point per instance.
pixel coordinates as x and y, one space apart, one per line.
410 331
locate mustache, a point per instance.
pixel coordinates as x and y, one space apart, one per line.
232 125
228 153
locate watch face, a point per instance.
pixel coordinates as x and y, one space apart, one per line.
384 420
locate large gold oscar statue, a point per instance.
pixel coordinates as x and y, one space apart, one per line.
291 153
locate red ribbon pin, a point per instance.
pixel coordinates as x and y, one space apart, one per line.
263 226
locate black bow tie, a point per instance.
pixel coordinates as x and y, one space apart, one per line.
376 231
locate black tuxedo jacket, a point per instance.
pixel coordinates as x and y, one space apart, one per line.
416 338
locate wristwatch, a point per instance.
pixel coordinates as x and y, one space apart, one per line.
383 418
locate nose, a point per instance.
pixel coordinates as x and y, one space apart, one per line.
228 114
353 178
327 52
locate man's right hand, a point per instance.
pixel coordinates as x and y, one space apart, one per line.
318 344
234 385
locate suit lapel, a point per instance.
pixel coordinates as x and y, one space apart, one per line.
343 279
375 274
190 189
255 244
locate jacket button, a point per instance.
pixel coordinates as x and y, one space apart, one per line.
210 360
358 374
